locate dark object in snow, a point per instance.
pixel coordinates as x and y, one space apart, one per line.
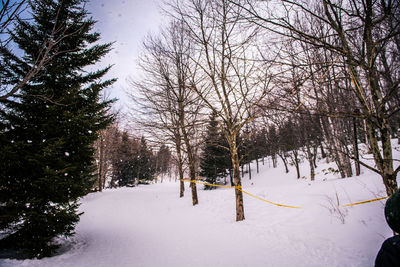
389 254
392 211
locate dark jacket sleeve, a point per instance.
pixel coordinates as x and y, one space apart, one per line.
389 254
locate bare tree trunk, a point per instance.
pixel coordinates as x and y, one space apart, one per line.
237 183
274 161
326 135
258 170
195 199
339 156
284 162
347 167
189 151
315 151
180 166
294 157
384 165
355 148
367 145
323 154
249 171
310 161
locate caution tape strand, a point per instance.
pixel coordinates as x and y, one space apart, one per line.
277 204
363 202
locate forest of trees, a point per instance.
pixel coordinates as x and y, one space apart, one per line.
125 160
288 79
223 84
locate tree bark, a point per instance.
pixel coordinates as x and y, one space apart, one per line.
367 145
237 183
296 163
231 176
339 156
284 162
274 161
189 151
311 163
180 166
323 154
258 168
249 171
355 148
383 161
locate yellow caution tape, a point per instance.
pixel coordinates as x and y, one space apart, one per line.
240 188
362 202
277 204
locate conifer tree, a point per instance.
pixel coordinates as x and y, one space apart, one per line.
145 168
47 134
213 161
163 159
125 160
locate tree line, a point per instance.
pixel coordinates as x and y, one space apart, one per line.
300 76
125 160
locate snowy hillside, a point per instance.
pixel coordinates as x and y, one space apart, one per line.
151 226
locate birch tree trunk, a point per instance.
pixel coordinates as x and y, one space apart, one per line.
180 167
237 180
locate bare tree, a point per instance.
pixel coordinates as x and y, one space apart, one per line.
231 83
166 103
105 147
365 32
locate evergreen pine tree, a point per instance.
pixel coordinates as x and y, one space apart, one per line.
47 134
125 161
247 146
213 161
146 162
163 159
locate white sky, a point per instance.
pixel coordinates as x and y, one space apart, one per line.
125 22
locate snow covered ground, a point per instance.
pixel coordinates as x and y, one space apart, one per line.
151 226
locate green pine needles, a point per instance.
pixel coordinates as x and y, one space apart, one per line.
47 131
215 158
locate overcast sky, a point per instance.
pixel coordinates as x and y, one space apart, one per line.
125 22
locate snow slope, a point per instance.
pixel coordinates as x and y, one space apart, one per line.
151 226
